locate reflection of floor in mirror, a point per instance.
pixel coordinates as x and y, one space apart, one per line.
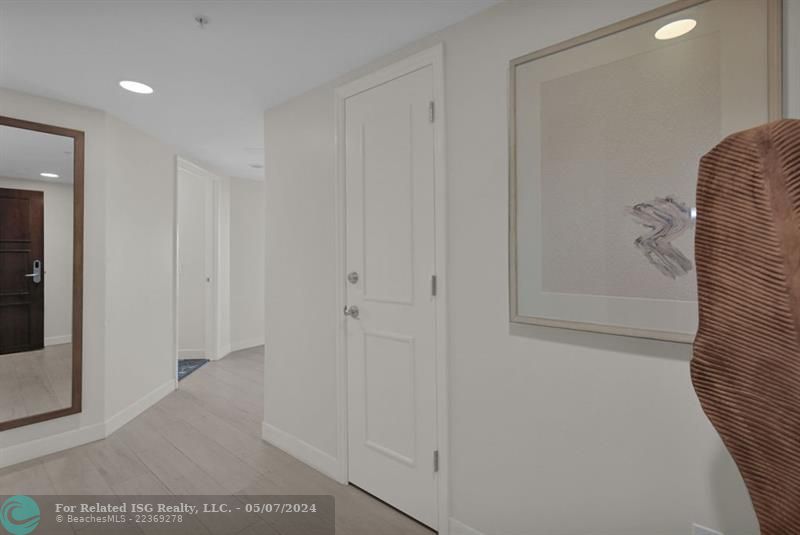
35 382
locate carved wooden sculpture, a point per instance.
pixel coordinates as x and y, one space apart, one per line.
746 366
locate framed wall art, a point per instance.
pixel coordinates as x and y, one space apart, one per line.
606 133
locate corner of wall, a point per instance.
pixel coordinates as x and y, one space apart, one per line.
136 408
301 450
238 345
459 528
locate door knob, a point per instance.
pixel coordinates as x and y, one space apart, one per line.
351 311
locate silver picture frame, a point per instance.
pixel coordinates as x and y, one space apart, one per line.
774 10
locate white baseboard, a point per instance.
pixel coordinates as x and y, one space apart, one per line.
301 450
40 447
222 352
191 353
246 344
138 407
459 528
50 444
57 340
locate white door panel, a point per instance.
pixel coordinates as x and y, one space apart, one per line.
389 166
195 261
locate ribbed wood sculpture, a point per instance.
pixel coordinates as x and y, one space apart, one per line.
746 366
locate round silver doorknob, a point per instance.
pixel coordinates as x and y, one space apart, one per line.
352 277
351 311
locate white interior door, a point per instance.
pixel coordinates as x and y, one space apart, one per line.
389 170
195 264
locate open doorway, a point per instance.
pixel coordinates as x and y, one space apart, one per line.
220 266
203 267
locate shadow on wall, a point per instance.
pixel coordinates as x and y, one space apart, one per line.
605 342
728 494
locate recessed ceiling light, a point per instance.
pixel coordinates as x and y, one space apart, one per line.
675 29
136 87
48 175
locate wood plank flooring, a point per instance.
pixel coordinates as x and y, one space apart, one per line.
205 438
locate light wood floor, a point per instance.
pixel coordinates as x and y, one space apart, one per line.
35 381
204 438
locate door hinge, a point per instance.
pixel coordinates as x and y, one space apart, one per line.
434 285
436 460
431 111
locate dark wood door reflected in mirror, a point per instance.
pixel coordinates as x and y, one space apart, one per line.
41 271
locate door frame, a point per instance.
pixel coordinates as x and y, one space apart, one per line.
433 57
217 291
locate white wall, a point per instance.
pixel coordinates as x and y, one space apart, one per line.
791 60
139 276
551 431
128 331
247 263
58 201
19 444
221 305
301 313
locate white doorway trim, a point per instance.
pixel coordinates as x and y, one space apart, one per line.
433 57
218 291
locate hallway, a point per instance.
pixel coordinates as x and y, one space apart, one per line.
202 439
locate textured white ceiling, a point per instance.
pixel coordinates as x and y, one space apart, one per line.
25 154
211 84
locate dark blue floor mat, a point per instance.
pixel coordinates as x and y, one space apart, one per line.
187 366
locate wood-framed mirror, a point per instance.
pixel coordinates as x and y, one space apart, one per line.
41 271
